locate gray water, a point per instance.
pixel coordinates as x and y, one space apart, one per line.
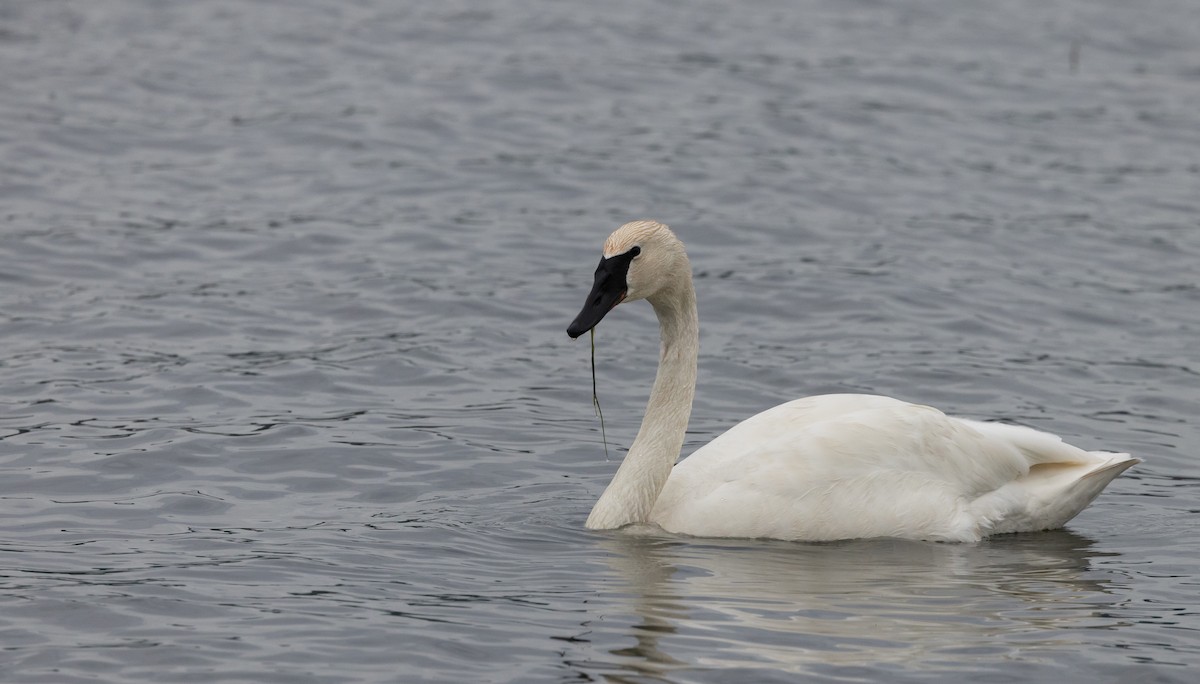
285 393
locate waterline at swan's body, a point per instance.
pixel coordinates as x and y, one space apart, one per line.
824 467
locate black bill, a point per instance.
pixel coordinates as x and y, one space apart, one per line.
607 291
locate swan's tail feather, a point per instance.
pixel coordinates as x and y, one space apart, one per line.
1083 490
1116 464
1049 495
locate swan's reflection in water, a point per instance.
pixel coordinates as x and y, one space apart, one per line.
891 604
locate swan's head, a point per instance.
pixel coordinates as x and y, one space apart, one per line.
641 260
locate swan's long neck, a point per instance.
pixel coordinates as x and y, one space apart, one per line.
630 496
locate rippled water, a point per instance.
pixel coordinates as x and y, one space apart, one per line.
285 393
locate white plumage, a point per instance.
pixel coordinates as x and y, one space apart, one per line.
825 467
849 466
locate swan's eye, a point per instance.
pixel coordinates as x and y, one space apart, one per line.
635 251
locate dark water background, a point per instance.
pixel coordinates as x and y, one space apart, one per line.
285 394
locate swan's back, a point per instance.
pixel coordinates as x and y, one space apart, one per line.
853 466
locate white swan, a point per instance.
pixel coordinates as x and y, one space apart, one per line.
829 467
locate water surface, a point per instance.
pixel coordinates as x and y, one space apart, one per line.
285 393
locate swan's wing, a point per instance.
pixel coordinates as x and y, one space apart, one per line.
841 466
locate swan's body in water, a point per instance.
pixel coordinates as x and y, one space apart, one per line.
829 467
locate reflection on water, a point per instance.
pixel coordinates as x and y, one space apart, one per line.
819 607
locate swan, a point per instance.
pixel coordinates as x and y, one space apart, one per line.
821 468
